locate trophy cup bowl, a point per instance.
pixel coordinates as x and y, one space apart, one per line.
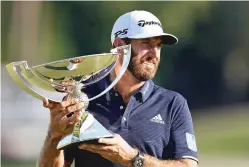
65 79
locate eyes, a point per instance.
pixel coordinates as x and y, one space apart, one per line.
152 43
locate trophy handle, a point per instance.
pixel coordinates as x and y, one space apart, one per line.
126 60
14 73
24 77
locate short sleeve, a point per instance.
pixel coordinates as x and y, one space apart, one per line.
182 139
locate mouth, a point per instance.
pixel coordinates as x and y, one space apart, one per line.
149 65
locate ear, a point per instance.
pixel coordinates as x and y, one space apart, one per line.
118 42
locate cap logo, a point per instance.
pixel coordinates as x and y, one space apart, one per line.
121 32
142 23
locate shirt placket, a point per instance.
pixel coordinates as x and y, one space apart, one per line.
127 113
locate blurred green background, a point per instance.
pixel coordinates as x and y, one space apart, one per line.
209 67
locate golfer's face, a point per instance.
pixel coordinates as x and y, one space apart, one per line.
145 57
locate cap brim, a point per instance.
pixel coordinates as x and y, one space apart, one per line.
167 39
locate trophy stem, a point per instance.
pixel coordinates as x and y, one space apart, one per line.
75 92
77 127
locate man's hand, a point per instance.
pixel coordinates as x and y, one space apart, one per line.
115 149
61 123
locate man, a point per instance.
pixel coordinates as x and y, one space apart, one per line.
153 125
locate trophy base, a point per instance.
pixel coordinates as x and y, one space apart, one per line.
88 134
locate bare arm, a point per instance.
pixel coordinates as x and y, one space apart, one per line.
117 150
154 162
60 125
50 156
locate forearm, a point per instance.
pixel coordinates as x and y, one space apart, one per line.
154 162
49 155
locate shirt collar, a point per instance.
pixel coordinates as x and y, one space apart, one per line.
145 91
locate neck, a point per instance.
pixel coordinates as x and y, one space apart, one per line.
127 85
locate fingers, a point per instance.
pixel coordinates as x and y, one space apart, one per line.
108 152
59 119
71 120
67 124
48 103
73 108
75 118
45 101
67 103
60 89
97 148
62 106
68 130
108 141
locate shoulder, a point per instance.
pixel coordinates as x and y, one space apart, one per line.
168 95
174 104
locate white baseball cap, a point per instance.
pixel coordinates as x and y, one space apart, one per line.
138 25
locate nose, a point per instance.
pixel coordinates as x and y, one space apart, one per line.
153 48
152 53
154 45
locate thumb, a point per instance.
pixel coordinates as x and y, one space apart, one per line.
45 102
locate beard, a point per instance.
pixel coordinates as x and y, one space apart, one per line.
140 70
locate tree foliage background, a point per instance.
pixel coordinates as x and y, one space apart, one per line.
209 66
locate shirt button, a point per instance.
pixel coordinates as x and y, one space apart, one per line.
116 94
121 107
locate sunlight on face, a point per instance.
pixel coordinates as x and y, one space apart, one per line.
145 58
